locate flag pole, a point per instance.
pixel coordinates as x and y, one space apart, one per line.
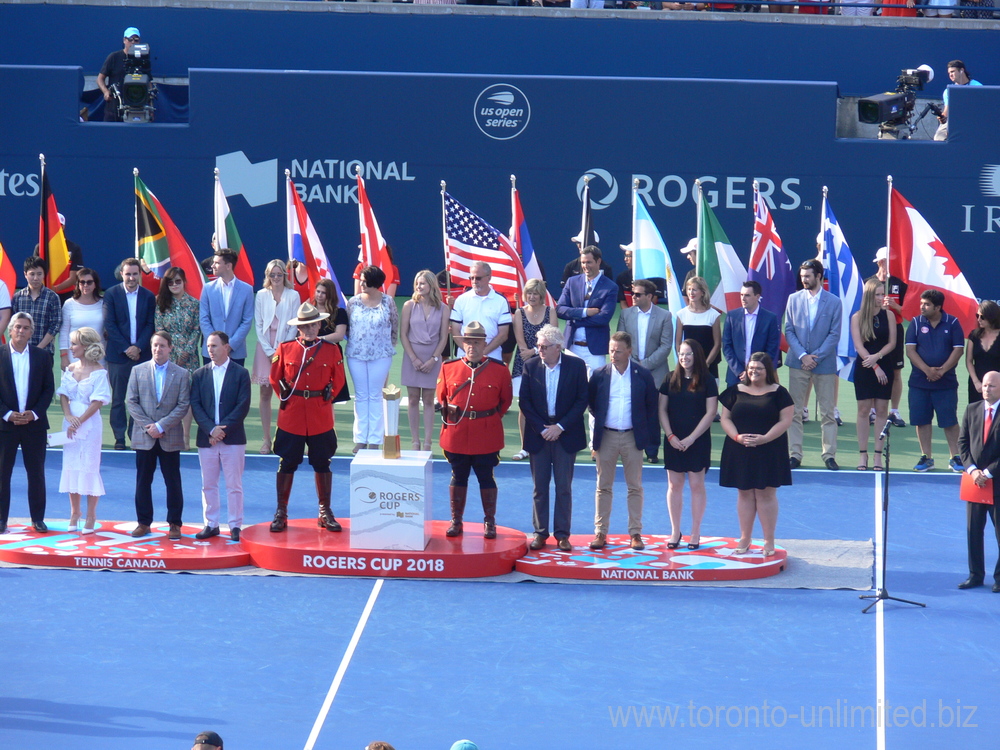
43 226
215 212
444 239
135 175
366 255
515 235
822 227
756 197
584 229
698 228
888 229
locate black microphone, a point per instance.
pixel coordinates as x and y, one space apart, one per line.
885 429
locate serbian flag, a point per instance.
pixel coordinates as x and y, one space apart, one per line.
372 250
304 244
918 256
51 240
470 239
160 244
226 236
522 243
769 264
717 260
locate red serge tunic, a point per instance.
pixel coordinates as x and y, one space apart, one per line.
490 388
302 415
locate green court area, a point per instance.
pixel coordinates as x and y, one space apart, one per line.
904 441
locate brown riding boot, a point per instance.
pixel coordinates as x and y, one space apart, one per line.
283 483
457 500
324 482
489 497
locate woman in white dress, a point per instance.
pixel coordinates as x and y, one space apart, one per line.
274 306
83 391
84 308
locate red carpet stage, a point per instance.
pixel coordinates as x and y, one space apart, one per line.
305 548
715 560
111 546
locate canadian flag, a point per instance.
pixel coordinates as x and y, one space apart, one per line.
918 256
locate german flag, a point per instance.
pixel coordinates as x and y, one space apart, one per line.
51 240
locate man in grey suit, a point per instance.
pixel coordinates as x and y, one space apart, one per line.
157 398
812 329
227 305
220 401
652 331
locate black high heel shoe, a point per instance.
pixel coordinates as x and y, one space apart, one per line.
675 545
694 545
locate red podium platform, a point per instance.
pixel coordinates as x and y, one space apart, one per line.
305 548
111 546
715 560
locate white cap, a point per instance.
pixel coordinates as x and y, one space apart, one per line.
578 241
62 219
882 254
628 248
690 247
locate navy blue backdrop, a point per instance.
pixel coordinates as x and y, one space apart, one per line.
410 131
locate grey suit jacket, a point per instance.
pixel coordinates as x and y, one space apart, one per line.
140 399
819 340
659 339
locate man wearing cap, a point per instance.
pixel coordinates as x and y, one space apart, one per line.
113 73
207 741
306 374
691 252
474 392
895 294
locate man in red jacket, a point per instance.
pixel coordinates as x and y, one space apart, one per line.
474 392
306 374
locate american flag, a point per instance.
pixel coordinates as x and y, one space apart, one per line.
769 265
470 239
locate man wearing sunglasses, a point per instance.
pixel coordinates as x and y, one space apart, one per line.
113 73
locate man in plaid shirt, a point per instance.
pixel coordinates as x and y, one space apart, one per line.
40 303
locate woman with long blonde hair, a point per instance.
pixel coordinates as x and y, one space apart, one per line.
874 336
423 329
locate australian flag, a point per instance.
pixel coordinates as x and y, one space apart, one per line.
769 265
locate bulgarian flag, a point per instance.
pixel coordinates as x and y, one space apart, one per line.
226 236
717 261
51 240
160 244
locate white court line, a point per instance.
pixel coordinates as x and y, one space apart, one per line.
879 622
342 669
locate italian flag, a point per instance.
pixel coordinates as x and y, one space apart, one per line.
226 236
717 261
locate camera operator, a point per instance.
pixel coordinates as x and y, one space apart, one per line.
113 74
959 76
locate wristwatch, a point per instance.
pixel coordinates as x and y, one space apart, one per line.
437 358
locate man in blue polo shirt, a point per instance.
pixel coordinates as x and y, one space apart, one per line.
934 345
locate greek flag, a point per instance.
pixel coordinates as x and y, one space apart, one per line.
845 282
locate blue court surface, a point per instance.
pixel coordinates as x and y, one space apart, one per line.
129 659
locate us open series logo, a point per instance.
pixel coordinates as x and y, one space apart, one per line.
502 111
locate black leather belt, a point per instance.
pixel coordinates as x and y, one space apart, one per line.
579 343
455 414
308 394
615 429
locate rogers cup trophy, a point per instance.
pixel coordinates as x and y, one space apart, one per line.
390 413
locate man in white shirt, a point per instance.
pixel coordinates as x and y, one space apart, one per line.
484 304
220 402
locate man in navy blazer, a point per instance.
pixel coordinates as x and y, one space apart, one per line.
588 303
764 333
623 400
812 329
553 399
979 444
26 390
227 305
220 401
129 315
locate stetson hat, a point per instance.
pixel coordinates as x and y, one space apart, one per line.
474 330
308 314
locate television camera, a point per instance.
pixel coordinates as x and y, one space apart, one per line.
893 111
136 94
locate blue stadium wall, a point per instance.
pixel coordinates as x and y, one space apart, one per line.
592 98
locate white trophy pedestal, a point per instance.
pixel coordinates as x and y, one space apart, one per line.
391 500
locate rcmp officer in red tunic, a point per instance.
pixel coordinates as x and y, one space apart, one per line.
474 392
306 374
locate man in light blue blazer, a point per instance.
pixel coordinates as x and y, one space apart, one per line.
764 333
812 329
227 305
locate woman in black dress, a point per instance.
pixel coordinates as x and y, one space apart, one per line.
701 322
688 402
981 352
874 335
756 417
333 330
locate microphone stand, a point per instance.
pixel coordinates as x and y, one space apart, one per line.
883 592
